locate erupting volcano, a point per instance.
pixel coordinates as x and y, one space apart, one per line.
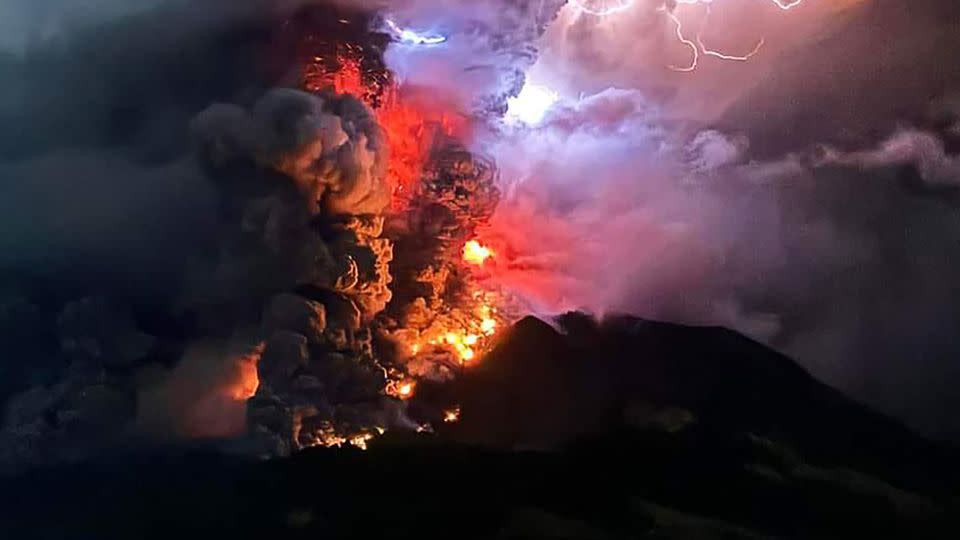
271 259
421 311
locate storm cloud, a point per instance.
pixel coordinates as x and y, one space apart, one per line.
807 198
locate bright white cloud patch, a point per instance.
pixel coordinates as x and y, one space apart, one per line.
532 104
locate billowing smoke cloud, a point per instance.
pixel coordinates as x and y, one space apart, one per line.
24 23
331 152
923 151
58 209
806 197
629 217
154 208
205 396
336 160
98 186
783 196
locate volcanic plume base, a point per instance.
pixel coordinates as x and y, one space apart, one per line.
436 317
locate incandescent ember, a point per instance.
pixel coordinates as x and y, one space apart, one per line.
406 301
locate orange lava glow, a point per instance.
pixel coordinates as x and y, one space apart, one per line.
246 379
462 343
411 123
401 389
452 415
461 325
476 253
328 436
411 130
466 335
360 441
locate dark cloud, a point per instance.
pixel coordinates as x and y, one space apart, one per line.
24 23
807 197
147 162
100 218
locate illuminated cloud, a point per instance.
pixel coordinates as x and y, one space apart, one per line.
413 37
532 104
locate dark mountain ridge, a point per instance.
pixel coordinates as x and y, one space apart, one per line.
622 428
544 385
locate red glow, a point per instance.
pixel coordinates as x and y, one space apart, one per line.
412 123
476 253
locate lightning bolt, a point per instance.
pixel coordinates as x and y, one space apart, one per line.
698 47
406 35
693 46
611 7
721 55
603 8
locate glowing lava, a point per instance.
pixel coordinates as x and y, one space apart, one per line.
451 324
401 389
465 343
462 344
476 253
411 125
488 326
360 441
464 335
452 415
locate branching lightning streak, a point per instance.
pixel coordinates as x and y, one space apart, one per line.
699 48
623 5
721 55
685 41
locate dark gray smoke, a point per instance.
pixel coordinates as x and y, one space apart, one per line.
169 219
807 198
26 24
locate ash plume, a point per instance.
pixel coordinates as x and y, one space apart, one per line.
490 45
272 324
783 196
204 396
236 240
211 217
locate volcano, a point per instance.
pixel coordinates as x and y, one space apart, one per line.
479 269
623 428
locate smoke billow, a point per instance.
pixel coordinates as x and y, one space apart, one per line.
782 196
172 227
204 396
336 160
77 198
490 44
26 24
188 251
630 217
